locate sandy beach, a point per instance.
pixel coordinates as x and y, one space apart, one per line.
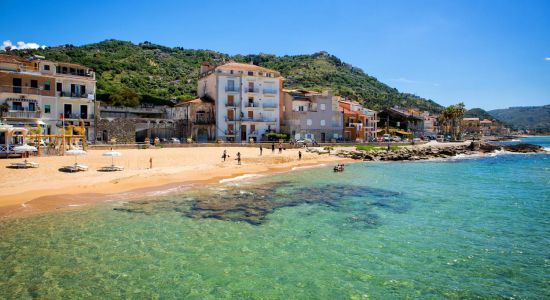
46 188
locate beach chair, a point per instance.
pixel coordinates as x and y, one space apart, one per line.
24 165
71 169
81 167
111 168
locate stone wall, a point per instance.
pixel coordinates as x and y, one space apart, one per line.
122 130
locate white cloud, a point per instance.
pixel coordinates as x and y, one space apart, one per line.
547 58
20 45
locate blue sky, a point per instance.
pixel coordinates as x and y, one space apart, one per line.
489 54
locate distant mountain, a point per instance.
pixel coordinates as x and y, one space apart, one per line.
159 74
478 113
535 118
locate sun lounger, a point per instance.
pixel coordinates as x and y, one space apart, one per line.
75 168
24 165
82 167
111 168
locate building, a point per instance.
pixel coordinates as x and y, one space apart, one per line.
311 115
471 126
400 121
360 123
195 119
431 126
247 99
38 92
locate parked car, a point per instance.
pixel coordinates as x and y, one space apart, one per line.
175 141
396 139
387 137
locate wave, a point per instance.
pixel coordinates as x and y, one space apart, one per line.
239 178
307 167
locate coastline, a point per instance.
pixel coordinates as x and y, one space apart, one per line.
201 166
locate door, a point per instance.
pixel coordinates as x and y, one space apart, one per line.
73 90
251 87
323 137
243 133
16 82
32 106
230 100
67 110
252 129
230 115
251 114
84 112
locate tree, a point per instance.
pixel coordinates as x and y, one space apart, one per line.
124 97
451 118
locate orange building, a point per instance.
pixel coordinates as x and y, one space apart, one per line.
356 121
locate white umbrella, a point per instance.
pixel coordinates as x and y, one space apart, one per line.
112 154
75 153
24 148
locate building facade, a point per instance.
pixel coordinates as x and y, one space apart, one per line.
360 123
247 99
53 95
195 119
311 115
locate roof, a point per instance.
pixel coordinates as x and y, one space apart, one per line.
471 119
193 101
11 59
246 67
486 121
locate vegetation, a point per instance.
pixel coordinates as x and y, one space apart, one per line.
534 118
163 75
478 113
276 136
451 119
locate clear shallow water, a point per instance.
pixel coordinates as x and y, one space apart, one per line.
447 229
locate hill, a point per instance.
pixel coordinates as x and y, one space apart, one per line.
478 113
159 74
535 118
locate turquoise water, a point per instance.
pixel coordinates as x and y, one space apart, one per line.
466 228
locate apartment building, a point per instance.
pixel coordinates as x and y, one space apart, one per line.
247 99
311 115
35 91
360 123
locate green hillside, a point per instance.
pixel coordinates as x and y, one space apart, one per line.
536 118
478 113
146 72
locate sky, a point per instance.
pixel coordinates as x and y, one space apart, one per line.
488 54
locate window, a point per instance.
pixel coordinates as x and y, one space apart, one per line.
59 86
322 122
300 108
230 71
47 108
34 83
309 122
46 67
250 73
323 106
47 85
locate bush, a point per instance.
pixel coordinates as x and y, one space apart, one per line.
276 136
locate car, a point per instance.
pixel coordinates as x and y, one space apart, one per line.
387 137
175 141
416 140
396 139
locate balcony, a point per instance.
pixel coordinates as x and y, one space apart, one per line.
252 90
16 114
230 119
253 133
269 105
19 90
233 89
252 104
232 104
229 132
72 95
78 116
270 91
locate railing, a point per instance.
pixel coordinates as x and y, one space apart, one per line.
229 132
132 109
22 114
228 119
203 121
72 94
252 90
232 89
270 91
233 104
8 149
78 116
19 90
252 104
254 132
269 105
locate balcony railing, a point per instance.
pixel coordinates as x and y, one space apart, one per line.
19 90
72 94
253 132
22 114
232 89
252 90
232 104
229 132
78 116
270 91
269 105
252 104
204 121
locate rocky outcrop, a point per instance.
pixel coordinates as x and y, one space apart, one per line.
437 152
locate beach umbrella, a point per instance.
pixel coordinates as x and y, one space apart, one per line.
76 153
24 148
112 154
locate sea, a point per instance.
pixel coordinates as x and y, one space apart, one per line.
468 227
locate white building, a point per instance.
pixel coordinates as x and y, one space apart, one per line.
247 99
42 92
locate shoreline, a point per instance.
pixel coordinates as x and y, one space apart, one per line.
132 187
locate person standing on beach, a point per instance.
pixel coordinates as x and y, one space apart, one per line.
150 162
299 155
272 147
261 149
280 148
238 158
224 155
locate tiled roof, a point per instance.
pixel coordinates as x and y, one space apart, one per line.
470 119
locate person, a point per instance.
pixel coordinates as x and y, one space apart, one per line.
224 155
238 158
261 149
299 155
280 148
150 162
272 147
